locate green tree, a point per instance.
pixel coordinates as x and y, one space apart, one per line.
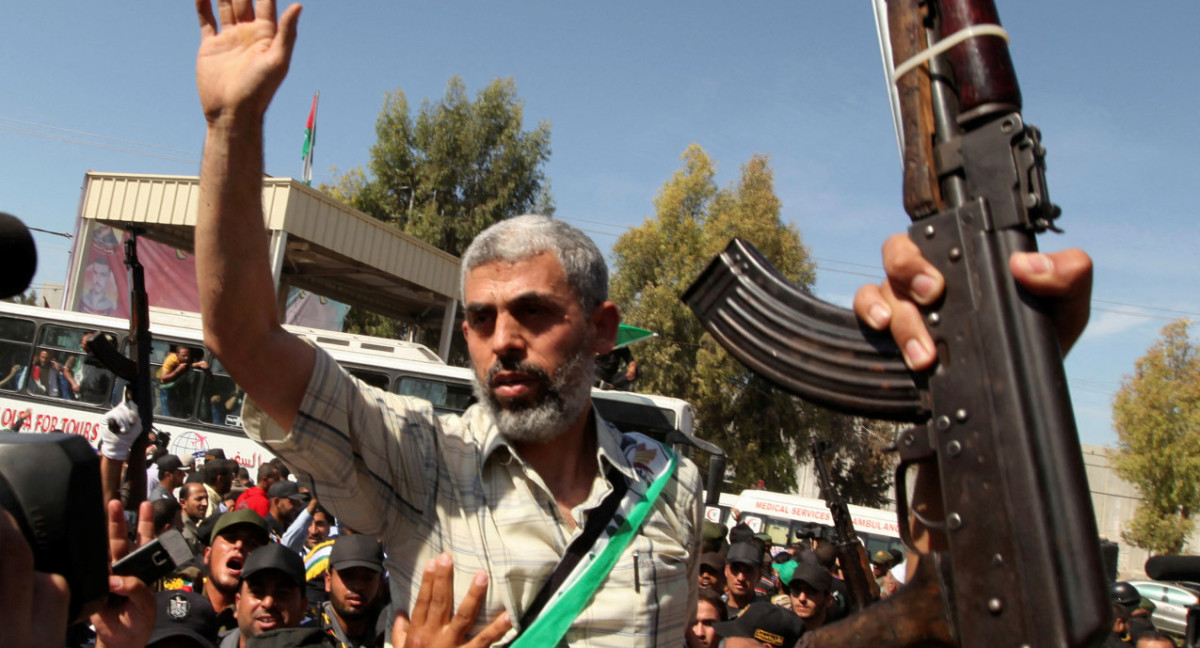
1156 414
29 298
454 168
447 173
763 430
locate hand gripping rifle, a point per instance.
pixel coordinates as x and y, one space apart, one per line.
852 556
995 433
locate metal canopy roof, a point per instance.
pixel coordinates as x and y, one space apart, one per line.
331 249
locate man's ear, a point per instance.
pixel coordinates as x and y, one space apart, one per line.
605 320
207 550
327 578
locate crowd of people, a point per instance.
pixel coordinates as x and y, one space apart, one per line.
271 567
264 557
743 575
770 595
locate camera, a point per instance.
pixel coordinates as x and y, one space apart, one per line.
50 483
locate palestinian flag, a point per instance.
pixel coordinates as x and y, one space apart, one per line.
310 140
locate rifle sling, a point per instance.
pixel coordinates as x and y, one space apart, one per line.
597 520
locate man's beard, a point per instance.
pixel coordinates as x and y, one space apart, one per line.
559 402
353 614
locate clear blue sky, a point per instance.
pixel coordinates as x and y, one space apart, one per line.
626 87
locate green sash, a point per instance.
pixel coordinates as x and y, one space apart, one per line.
561 611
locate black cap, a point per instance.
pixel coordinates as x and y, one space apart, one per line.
766 622
278 557
1124 594
241 516
713 560
286 488
815 576
168 463
356 551
749 553
184 614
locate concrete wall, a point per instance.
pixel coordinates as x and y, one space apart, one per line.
1114 500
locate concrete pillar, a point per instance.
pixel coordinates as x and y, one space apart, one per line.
448 319
277 248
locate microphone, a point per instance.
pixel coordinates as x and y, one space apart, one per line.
1174 568
18 256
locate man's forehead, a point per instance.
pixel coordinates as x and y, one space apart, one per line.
269 578
541 274
243 532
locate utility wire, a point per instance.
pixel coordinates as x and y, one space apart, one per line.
94 136
38 229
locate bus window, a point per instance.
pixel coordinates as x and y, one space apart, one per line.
447 397
221 401
175 392
63 369
376 380
876 543
777 529
16 345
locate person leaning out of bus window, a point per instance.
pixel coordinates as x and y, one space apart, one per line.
13 380
174 368
90 379
43 375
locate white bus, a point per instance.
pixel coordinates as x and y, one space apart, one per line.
44 369
783 516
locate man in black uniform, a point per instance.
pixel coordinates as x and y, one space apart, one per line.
354 583
1126 627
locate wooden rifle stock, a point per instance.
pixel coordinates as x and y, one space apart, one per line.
922 196
1021 564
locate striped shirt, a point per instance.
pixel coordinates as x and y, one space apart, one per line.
388 466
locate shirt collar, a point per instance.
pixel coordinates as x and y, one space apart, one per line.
608 441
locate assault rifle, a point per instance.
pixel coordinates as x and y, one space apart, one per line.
135 370
1000 478
851 554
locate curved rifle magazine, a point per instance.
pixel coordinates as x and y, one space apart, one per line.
806 346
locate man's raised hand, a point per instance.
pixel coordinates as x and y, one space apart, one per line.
243 60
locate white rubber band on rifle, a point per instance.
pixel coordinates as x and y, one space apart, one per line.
945 44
